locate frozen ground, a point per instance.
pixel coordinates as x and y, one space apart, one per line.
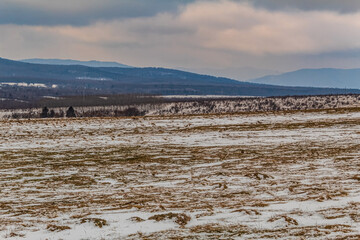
239 176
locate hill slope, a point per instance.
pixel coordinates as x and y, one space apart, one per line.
325 77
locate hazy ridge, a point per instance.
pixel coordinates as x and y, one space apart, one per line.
323 77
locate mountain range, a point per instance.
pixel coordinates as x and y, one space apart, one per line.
92 63
63 79
324 77
240 73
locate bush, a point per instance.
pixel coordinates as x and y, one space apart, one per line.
52 114
44 113
129 112
70 113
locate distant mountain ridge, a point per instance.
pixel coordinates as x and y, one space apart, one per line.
238 73
92 63
78 79
323 77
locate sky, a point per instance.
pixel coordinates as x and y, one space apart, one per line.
234 38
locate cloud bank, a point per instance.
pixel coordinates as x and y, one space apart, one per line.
200 33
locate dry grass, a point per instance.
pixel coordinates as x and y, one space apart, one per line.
98 222
57 228
179 218
77 169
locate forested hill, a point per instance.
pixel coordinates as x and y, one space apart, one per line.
77 79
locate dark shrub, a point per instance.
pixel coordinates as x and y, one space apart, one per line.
52 114
129 112
70 113
44 113
132 112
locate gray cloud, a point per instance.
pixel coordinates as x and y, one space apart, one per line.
201 34
80 12
84 12
308 5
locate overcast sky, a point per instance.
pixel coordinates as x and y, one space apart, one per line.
279 35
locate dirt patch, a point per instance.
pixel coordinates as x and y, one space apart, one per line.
56 228
179 218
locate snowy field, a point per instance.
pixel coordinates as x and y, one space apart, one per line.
240 176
